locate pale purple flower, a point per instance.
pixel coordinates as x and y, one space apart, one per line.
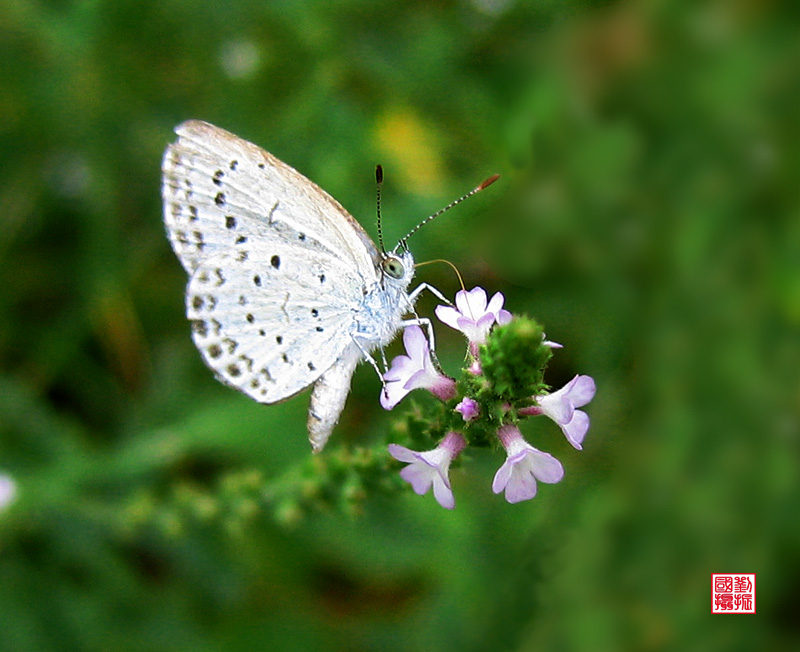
413 371
430 468
561 406
473 316
8 491
523 467
469 408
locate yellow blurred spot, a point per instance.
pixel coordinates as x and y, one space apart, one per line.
411 152
118 329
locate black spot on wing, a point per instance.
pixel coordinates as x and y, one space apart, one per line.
200 327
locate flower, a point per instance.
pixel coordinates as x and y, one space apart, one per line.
561 406
469 408
8 491
523 467
413 371
431 467
473 316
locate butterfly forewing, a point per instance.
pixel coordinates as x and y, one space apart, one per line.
218 189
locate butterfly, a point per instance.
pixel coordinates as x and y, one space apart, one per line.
286 290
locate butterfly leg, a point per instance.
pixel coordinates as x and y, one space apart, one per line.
368 357
412 296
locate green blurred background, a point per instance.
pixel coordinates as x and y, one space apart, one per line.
647 215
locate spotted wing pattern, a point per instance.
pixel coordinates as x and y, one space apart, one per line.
220 191
269 321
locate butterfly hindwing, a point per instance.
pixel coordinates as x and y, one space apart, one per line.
270 321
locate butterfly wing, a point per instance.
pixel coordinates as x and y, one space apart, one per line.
270 320
220 191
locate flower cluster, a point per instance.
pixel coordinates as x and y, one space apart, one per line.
502 382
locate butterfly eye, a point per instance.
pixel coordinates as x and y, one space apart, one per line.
393 267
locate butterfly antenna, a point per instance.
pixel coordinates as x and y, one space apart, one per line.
378 183
474 191
447 262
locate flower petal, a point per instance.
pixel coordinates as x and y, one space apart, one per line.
448 315
401 453
420 378
485 322
576 429
400 368
582 390
521 486
496 303
476 298
443 493
502 477
419 476
416 344
556 406
392 393
545 467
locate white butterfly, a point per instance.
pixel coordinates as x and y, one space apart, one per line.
285 289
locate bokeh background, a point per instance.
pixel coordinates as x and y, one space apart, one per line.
648 215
